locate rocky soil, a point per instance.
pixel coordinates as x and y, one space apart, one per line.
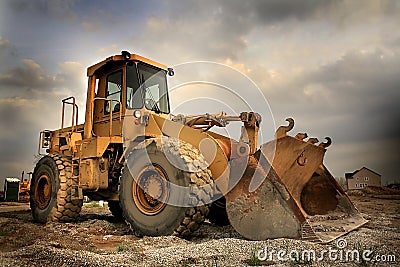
97 239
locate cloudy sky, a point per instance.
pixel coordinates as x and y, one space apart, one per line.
332 65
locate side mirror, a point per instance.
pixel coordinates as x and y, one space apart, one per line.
171 72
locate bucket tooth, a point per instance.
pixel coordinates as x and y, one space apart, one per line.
301 136
308 234
282 130
327 143
312 140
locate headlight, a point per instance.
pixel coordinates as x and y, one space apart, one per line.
137 114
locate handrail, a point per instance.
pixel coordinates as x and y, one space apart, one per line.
111 110
74 112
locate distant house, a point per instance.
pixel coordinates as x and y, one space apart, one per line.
362 178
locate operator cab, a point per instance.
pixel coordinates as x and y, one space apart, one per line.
134 80
123 84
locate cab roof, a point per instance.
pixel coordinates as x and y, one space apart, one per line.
125 56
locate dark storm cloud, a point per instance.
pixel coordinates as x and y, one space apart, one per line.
220 29
354 100
367 83
217 29
27 75
274 10
52 8
29 80
251 11
361 89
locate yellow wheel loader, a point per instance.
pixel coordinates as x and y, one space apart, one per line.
165 174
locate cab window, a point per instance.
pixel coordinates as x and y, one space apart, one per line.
154 84
134 99
113 91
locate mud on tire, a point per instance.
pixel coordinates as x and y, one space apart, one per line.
51 190
179 221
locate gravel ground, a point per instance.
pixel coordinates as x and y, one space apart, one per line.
98 240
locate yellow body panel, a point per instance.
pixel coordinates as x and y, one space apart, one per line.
95 147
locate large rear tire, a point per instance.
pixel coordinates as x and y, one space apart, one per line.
146 179
50 191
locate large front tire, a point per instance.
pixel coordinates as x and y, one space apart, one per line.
50 191
149 176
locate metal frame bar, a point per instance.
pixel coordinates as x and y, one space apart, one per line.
75 110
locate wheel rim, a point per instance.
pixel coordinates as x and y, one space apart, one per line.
43 191
150 190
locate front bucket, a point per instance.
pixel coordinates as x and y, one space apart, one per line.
297 196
